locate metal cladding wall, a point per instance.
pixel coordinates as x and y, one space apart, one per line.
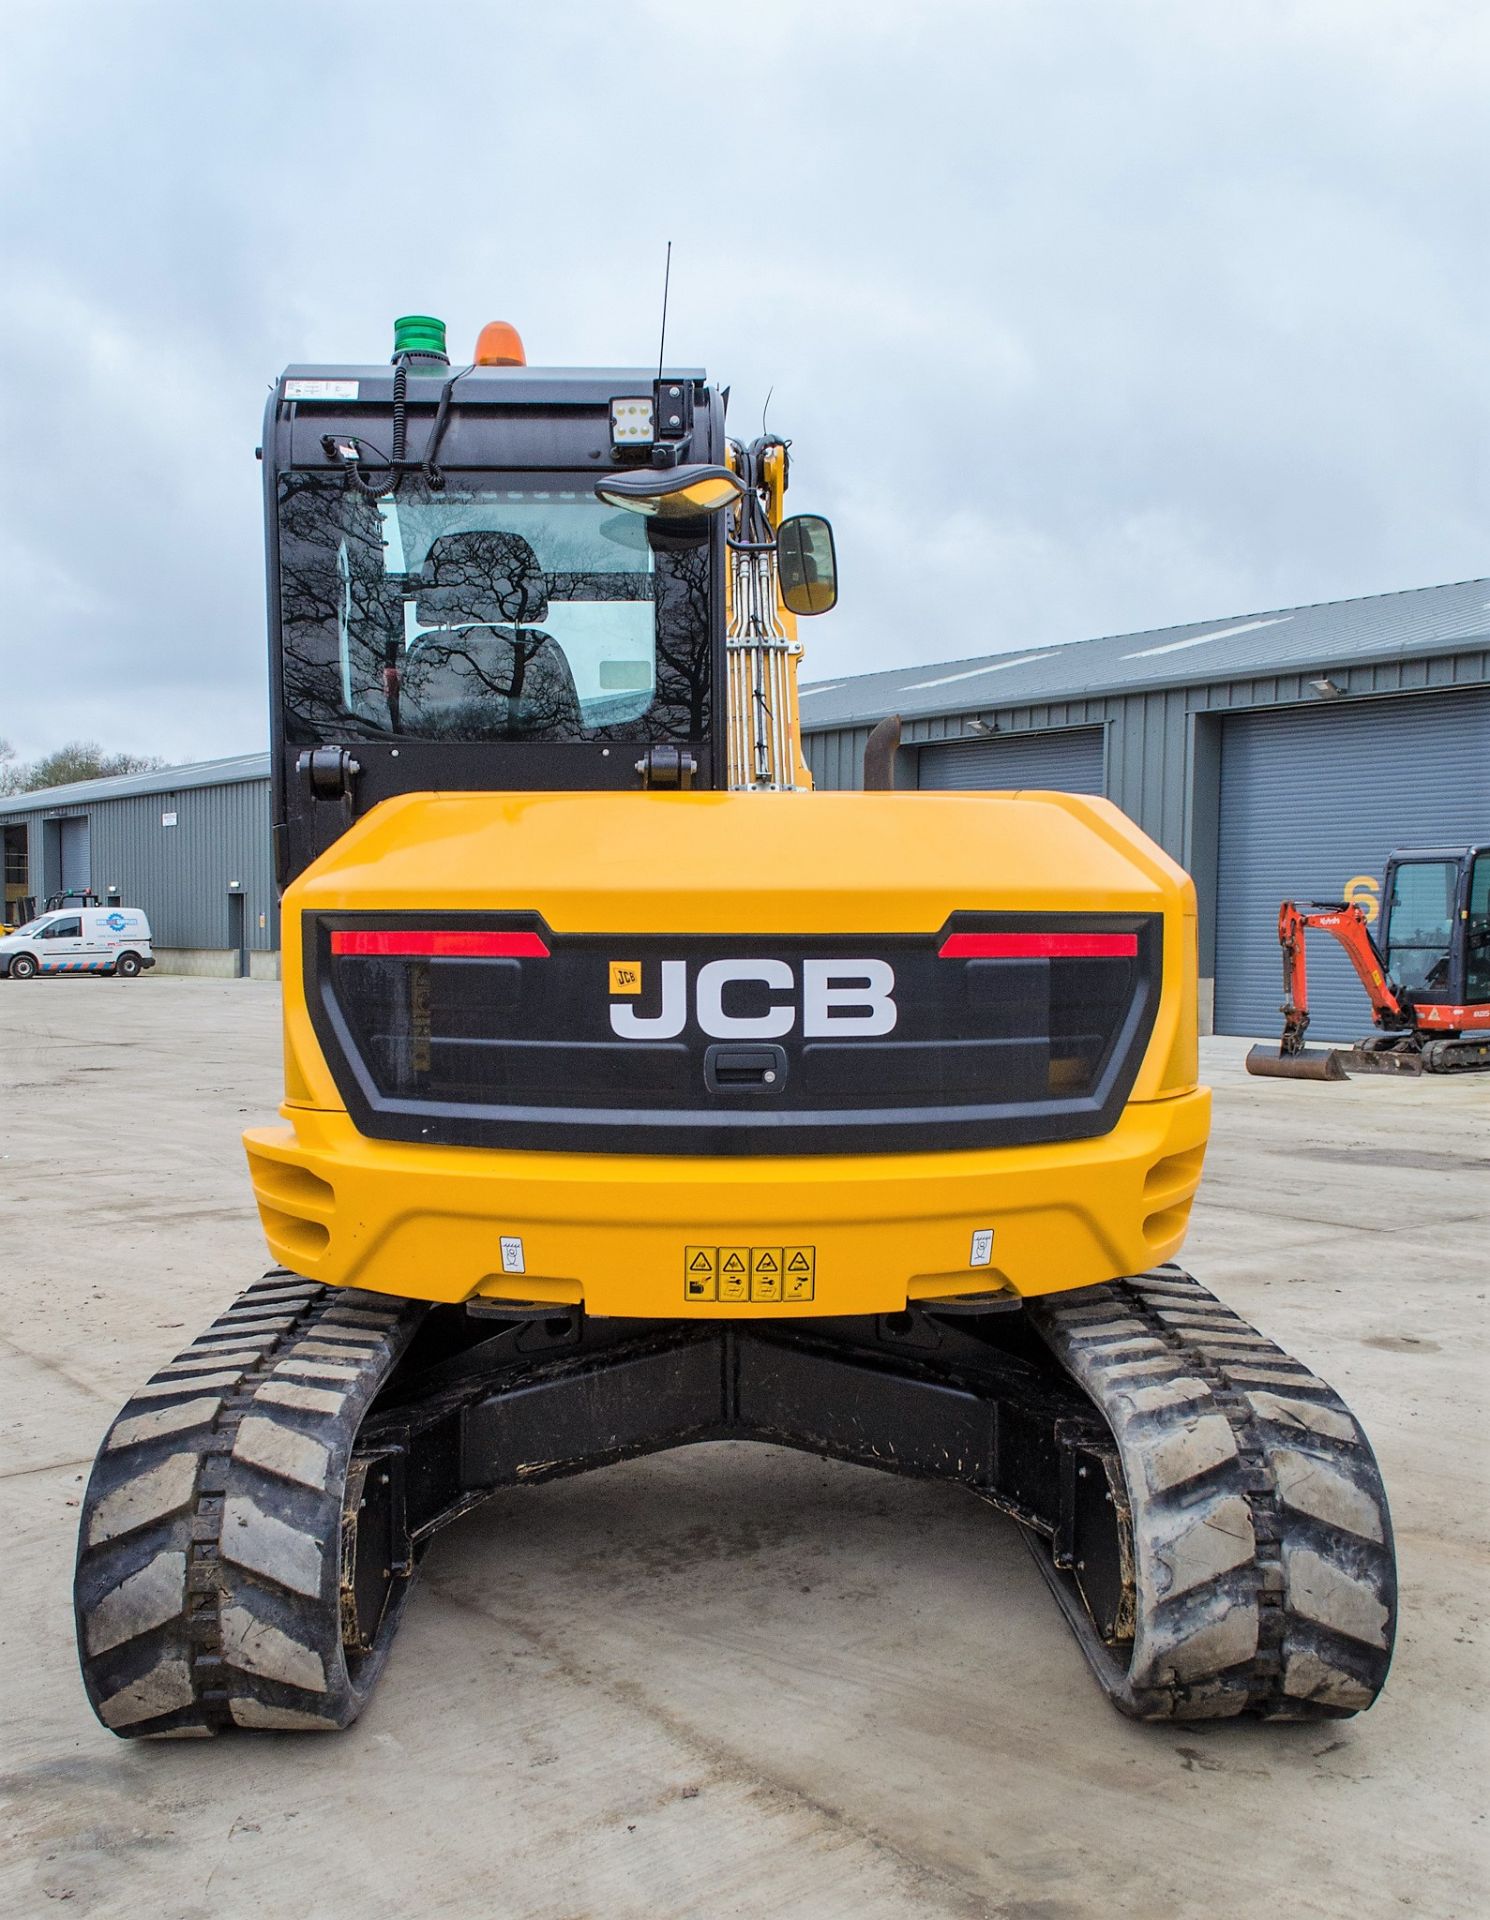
1070 762
1315 799
836 757
1151 746
180 875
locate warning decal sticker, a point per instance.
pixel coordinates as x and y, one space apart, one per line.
321 389
759 1274
700 1274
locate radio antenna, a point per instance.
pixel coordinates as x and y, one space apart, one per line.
667 274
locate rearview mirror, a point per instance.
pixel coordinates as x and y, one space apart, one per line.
807 564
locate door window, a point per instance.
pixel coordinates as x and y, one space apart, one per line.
1420 926
1478 984
67 929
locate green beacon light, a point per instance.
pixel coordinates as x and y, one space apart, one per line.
419 333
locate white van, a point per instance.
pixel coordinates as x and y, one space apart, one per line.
79 940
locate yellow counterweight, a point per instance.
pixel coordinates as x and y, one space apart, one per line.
683 1235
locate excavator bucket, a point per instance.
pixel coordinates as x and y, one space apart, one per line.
1315 1063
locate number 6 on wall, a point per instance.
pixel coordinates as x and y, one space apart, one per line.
1364 892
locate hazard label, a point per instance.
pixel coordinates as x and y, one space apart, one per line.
625 976
758 1274
765 1273
798 1272
699 1280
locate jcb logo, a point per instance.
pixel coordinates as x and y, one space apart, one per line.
759 1000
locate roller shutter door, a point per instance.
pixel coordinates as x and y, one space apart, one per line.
73 837
1314 798
1068 762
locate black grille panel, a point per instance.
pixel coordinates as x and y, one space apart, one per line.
496 1050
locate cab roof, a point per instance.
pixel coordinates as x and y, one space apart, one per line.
497 386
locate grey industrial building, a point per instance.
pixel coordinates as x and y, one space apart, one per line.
1273 754
188 844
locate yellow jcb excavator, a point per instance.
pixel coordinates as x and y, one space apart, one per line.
636 1095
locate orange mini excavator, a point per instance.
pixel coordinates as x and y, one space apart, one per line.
1428 982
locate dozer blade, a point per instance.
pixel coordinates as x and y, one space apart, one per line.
1315 1064
1384 1060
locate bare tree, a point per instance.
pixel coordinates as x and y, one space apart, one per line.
78 760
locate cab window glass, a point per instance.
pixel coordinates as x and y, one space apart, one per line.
71 929
525 610
1420 929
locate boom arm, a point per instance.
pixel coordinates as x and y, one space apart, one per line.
1348 925
762 649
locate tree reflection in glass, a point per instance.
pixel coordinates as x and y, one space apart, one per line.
475 613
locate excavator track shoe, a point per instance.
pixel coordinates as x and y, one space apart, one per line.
1257 1531
219 1580
1458 1053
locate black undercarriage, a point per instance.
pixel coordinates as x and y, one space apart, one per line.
1205 1509
967 1400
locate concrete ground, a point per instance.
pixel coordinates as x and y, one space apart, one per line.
732 1681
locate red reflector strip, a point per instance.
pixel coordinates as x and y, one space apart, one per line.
1039 946
456 942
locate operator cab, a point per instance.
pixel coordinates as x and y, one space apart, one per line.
453 607
1436 924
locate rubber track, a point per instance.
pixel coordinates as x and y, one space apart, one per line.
1468 1053
1264 1578
208 1583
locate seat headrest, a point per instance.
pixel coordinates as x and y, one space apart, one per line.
491 579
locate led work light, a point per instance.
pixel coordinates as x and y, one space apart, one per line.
631 422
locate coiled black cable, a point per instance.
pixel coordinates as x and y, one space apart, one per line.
380 489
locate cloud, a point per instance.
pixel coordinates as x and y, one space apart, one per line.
1081 317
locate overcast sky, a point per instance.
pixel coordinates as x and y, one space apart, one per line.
1082 317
